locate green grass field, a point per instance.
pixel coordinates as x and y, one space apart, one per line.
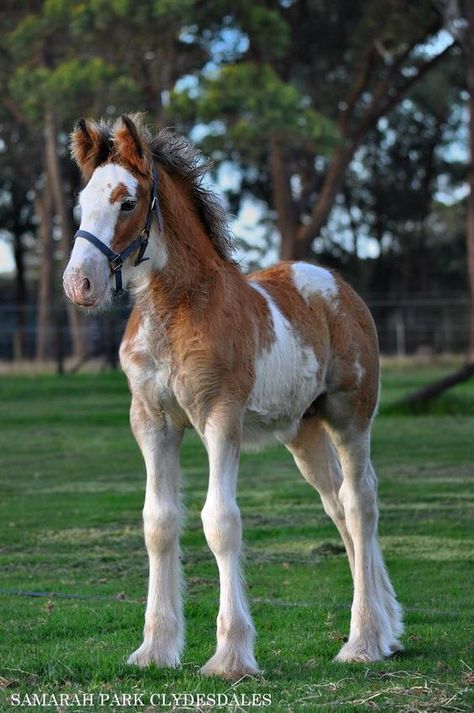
72 485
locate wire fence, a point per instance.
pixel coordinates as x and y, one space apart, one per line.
408 326
100 334
411 326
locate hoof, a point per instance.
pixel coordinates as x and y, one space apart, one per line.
230 667
149 654
362 652
395 647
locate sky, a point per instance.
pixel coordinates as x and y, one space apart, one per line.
7 263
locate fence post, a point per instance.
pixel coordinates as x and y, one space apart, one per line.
400 333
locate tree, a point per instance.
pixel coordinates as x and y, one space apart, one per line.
460 22
459 18
289 92
54 76
17 211
45 89
344 64
391 189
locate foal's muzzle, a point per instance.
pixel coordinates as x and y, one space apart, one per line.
86 290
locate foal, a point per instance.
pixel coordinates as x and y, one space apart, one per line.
288 352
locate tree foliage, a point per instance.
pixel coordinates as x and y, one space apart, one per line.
298 100
336 117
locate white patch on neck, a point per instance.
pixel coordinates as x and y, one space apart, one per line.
313 279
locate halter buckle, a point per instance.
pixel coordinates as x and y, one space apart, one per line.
116 263
139 259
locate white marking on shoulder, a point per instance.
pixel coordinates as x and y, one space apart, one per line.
286 374
311 279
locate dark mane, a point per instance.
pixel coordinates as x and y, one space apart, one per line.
181 159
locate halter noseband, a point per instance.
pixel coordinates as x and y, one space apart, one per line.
116 260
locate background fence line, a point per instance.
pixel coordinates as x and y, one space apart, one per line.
406 326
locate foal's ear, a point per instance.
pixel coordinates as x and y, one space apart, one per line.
90 146
131 146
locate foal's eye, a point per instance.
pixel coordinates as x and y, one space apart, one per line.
128 206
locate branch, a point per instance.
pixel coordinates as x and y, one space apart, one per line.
382 87
374 112
436 388
342 158
360 84
14 110
457 25
404 88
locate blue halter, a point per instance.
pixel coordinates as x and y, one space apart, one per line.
116 260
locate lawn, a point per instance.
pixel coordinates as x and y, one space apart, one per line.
72 485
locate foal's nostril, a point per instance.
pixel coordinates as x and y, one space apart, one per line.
80 289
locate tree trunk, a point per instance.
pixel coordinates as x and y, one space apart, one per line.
431 391
333 182
282 199
45 319
469 58
20 293
76 318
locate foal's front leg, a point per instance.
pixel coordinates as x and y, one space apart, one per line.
234 655
163 632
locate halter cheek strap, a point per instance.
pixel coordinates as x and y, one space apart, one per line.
116 260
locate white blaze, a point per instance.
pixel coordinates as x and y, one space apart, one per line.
98 215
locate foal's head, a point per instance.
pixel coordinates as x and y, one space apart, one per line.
117 164
123 165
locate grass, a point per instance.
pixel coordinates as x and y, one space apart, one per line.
70 519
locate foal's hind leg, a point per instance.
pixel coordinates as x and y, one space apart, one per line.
376 615
317 461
